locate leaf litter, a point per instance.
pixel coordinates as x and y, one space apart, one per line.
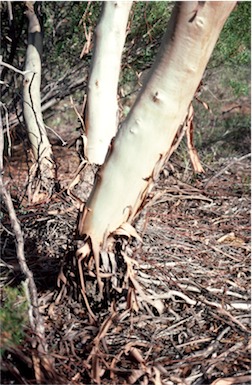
194 265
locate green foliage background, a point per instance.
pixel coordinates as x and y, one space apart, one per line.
234 44
64 35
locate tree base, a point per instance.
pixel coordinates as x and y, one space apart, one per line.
115 285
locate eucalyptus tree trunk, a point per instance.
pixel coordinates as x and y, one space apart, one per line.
44 166
146 139
101 113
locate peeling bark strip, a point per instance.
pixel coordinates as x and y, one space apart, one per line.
142 144
32 102
102 108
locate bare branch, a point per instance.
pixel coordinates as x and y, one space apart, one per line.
226 168
36 320
7 127
23 73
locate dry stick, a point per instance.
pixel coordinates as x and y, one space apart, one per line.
7 127
51 98
232 380
226 168
36 320
23 73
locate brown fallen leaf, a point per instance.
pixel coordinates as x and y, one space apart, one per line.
232 239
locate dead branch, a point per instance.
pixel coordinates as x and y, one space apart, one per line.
55 92
36 320
226 168
23 73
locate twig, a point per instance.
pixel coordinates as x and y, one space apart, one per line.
232 380
23 73
213 345
7 127
83 17
77 112
64 143
226 168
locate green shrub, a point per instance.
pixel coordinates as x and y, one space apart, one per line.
233 46
64 35
240 88
148 22
13 317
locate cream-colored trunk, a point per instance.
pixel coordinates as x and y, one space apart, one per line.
101 114
145 138
40 144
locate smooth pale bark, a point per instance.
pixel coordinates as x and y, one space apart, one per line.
40 144
145 138
101 113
